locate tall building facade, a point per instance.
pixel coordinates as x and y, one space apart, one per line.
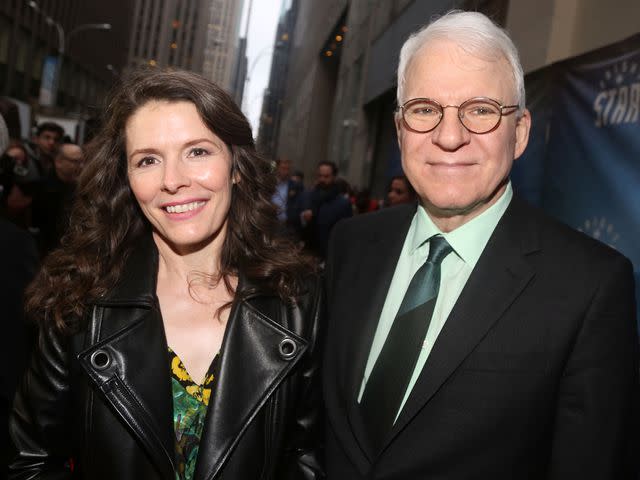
340 94
169 33
197 35
91 56
240 71
270 117
222 42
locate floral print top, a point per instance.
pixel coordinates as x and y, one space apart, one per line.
190 403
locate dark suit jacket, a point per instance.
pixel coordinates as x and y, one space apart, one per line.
295 192
534 375
329 206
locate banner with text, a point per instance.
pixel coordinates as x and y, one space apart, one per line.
583 161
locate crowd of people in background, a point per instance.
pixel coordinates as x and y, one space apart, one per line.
309 213
38 178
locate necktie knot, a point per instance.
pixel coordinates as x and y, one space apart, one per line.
439 248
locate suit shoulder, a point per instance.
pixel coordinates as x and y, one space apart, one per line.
575 245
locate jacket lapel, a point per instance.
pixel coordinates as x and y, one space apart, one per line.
373 281
376 263
135 381
499 277
127 359
257 354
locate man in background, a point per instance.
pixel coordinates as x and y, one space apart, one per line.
288 198
325 205
52 203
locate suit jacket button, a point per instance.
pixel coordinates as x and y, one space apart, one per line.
287 348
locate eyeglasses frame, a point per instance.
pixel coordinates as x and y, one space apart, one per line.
442 107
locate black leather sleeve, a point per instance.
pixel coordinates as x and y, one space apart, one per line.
303 449
40 423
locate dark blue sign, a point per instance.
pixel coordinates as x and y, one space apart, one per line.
584 167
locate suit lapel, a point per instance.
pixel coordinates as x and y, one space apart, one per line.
361 310
379 259
499 277
251 368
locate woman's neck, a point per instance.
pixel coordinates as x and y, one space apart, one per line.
181 265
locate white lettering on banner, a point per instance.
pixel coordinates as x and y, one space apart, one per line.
619 99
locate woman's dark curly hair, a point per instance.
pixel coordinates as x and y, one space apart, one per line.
106 221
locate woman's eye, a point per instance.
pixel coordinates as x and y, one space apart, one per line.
146 161
198 152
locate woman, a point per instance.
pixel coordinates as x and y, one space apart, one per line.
400 191
179 335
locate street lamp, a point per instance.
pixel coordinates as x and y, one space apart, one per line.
62 43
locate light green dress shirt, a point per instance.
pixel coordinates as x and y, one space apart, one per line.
468 242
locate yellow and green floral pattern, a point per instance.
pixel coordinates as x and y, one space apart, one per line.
190 402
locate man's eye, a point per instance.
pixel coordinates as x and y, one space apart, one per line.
424 111
481 110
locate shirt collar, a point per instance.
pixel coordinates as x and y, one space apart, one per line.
469 239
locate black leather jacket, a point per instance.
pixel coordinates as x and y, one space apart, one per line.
99 402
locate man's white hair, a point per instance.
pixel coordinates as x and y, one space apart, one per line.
476 34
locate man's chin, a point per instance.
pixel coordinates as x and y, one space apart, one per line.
455 208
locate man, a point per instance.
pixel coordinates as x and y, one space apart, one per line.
287 197
44 146
472 337
325 205
52 203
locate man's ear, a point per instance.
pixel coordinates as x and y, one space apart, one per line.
523 127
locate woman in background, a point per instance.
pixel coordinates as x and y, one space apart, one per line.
178 333
400 191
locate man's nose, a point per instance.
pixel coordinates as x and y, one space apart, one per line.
450 134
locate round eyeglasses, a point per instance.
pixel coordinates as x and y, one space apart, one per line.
478 115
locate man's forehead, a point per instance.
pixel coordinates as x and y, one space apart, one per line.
442 59
447 51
